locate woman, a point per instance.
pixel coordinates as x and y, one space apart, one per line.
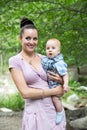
31 81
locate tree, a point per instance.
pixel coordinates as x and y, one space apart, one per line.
63 19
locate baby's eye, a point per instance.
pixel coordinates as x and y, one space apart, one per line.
47 48
53 47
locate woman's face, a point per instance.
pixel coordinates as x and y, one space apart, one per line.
29 40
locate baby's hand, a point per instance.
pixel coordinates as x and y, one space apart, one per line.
66 88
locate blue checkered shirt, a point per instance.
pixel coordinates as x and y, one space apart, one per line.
56 65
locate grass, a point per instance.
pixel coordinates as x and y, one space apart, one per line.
14 100
74 85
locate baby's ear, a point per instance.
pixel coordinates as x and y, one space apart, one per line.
59 51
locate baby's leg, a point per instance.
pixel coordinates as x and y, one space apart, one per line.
57 103
59 109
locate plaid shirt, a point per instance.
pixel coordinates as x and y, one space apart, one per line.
56 65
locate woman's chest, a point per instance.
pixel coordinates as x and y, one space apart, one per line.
33 75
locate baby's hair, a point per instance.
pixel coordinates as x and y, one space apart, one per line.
26 24
54 39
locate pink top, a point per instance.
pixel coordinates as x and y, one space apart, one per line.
38 114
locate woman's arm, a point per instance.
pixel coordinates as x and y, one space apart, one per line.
32 93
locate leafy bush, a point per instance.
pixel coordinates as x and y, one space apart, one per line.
74 85
14 102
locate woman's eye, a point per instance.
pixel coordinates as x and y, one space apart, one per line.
35 39
28 38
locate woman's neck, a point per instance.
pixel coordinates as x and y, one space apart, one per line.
31 54
29 57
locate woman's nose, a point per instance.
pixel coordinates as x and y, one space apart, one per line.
31 41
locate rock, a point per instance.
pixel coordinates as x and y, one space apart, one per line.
82 88
75 117
72 115
82 103
68 127
73 99
80 124
73 74
83 69
5 109
68 106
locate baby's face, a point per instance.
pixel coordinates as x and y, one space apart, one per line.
52 48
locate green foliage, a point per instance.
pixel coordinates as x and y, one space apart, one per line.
62 19
74 85
83 80
14 102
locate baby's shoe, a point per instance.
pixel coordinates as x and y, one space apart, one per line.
59 117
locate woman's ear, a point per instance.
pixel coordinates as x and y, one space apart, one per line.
19 38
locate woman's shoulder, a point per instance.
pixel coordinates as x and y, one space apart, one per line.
16 57
41 55
15 62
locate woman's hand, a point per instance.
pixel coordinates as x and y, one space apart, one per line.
55 77
59 91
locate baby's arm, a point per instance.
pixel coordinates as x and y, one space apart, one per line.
62 70
65 85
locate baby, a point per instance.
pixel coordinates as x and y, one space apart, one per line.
54 63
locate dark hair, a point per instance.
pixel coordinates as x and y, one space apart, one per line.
26 24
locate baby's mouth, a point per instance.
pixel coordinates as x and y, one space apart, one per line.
50 54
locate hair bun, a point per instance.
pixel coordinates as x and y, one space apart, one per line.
25 21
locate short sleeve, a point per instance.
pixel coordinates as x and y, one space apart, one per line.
61 67
14 63
44 65
41 56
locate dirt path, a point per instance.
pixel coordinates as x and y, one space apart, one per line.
10 121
